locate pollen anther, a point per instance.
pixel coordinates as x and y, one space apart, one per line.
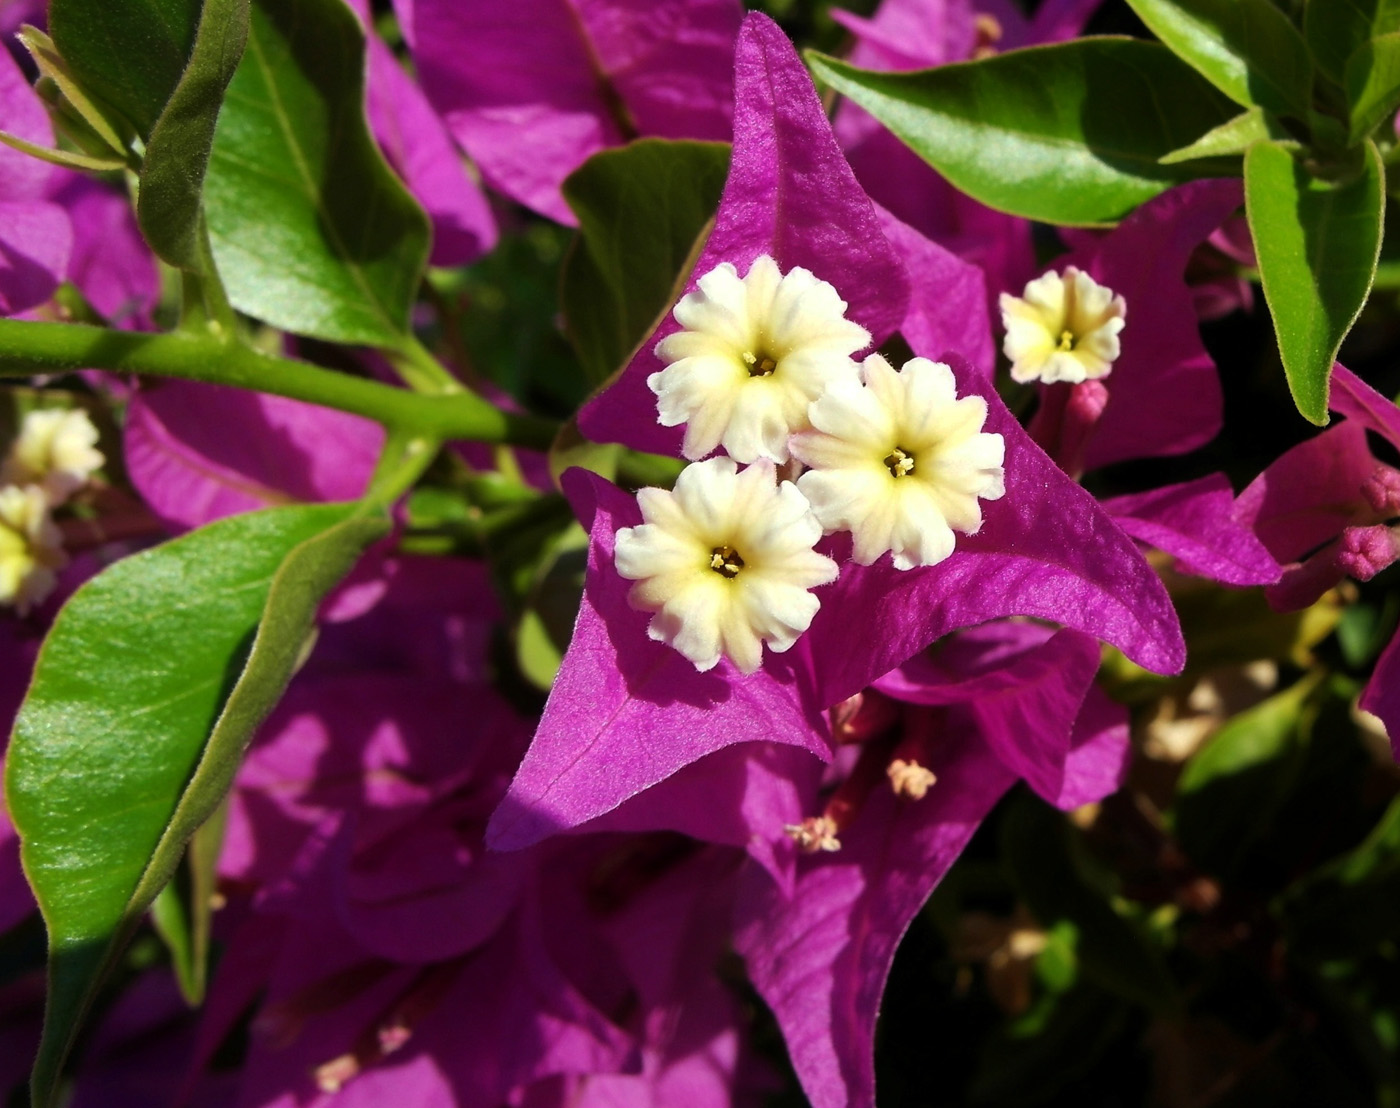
725 561
899 462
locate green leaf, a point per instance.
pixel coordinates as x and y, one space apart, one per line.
130 53
1248 49
149 685
1336 29
177 153
73 111
640 209
1232 787
1043 1057
551 607
1053 880
1373 84
1069 134
1233 137
1317 245
1351 904
311 230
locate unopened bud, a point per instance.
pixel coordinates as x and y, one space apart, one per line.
1382 491
1365 551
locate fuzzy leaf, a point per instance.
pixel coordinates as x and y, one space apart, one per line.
1335 31
130 53
1248 49
177 153
1069 134
640 209
1233 137
311 230
1373 84
1317 245
148 687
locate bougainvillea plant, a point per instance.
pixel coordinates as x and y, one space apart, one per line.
684 553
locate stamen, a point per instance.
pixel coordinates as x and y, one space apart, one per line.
988 27
759 365
814 834
899 462
989 33
725 561
1066 341
910 780
330 1077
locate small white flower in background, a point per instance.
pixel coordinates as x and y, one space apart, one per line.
55 450
900 462
725 561
754 353
1062 328
30 547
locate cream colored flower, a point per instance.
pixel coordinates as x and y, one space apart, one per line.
55 450
1062 328
900 462
725 561
753 354
31 548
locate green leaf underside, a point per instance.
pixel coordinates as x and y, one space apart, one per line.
1373 84
128 52
1234 137
311 230
1248 49
640 209
1317 246
177 155
141 704
1335 29
1070 134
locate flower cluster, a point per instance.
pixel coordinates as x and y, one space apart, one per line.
762 367
50 460
473 858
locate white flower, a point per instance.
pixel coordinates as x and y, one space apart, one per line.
753 354
900 462
54 450
1062 328
725 561
30 547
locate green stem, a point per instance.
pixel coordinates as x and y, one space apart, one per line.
209 286
420 370
402 461
29 348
